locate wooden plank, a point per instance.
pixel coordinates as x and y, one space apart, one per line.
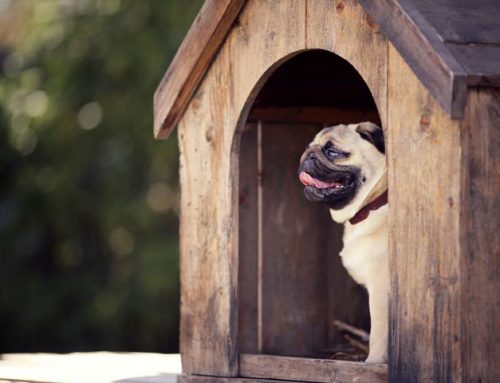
294 273
313 115
161 378
248 241
191 62
266 47
461 21
417 41
208 231
299 239
347 31
424 163
480 263
310 370
209 141
213 379
482 63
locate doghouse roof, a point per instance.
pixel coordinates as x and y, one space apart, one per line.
449 44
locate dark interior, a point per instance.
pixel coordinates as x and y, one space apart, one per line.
315 78
292 285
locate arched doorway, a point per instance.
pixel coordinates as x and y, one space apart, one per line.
292 286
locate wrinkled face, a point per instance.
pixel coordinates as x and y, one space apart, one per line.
341 162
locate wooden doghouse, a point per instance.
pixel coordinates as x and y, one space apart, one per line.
261 282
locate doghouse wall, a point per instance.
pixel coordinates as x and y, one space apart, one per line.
209 133
443 239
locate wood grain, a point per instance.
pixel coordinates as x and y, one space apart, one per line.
310 370
463 22
208 262
191 62
185 378
294 235
209 140
444 68
303 283
349 32
416 40
482 63
424 162
443 179
301 265
480 240
248 242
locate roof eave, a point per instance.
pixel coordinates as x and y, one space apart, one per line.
445 77
191 62
417 42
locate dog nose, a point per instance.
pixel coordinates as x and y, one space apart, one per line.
311 157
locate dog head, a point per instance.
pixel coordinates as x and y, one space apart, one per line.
344 167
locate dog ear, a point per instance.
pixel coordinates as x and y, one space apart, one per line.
372 133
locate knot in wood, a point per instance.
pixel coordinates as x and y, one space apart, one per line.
339 7
209 134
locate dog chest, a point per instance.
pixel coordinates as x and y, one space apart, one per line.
364 253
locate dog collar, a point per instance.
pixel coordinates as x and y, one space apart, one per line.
377 203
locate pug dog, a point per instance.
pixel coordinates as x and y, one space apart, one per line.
345 168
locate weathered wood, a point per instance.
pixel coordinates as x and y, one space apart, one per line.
209 182
208 243
209 175
191 62
424 162
417 42
443 179
297 239
310 370
463 21
267 47
424 32
294 235
347 30
248 242
464 52
213 379
319 115
471 33
303 285
480 240
482 63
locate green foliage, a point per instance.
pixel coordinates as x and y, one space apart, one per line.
88 200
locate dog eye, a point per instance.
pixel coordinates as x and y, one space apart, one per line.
332 153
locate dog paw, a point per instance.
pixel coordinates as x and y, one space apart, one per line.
374 358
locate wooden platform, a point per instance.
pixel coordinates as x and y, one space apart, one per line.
91 367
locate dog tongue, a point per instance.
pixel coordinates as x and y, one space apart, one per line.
307 180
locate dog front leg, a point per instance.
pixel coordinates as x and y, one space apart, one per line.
378 295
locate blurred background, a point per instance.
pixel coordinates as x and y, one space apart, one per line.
88 200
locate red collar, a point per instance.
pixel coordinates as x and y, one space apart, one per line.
361 215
